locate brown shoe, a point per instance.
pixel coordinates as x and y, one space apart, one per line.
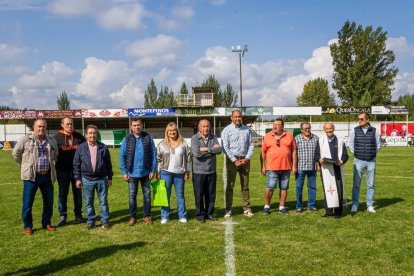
49 228
132 221
28 231
148 220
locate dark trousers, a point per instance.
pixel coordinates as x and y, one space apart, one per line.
65 180
204 193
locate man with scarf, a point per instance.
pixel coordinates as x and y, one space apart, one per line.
332 155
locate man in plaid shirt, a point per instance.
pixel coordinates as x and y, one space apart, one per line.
306 143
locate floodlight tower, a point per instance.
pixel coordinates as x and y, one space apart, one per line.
241 51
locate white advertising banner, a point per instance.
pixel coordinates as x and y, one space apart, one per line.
395 141
294 110
104 113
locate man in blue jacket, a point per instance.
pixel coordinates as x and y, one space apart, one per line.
92 169
138 163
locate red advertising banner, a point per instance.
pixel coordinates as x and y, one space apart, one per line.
397 129
19 114
58 113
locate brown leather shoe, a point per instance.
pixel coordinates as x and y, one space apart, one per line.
28 231
132 221
148 220
49 228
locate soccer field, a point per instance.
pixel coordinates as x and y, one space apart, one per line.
297 244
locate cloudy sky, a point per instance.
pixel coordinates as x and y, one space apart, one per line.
103 53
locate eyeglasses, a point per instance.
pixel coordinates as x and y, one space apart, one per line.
306 128
361 119
278 142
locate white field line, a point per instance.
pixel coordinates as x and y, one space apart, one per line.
230 257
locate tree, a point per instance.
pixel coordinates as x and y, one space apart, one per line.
407 101
213 83
63 102
316 93
229 98
363 71
183 89
153 98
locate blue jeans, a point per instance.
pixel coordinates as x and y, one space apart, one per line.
178 181
101 187
65 180
300 180
273 177
359 167
45 185
146 192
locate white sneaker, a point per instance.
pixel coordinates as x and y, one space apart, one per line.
227 215
248 213
371 209
164 221
354 209
183 220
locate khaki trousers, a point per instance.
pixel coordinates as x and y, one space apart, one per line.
243 172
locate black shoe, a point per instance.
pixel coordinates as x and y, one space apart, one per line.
338 216
313 209
211 217
327 215
62 221
201 219
90 226
79 220
299 210
106 226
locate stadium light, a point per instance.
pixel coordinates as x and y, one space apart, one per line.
241 51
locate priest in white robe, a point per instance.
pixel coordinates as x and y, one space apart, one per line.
332 155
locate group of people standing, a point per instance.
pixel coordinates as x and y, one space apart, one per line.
307 154
84 165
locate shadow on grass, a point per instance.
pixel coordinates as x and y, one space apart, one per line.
85 257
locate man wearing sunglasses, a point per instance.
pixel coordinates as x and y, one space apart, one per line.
278 158
364 143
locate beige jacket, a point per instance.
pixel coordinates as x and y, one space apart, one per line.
25 154
163 157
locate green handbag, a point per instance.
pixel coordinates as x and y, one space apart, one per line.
159 193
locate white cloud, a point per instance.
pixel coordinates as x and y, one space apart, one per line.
401 47
48 77
10 52
183 12
404 84
21 4
152 51
126 16
72 7
218 2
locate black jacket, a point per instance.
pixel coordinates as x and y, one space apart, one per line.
67 146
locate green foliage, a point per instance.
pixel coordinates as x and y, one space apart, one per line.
363 71
316 93
229 97
408 101
63 102
183 89
364 244
163 98
7 108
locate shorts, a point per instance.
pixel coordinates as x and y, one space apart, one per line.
273 177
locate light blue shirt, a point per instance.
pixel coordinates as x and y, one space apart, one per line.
351 141
138 168
237 141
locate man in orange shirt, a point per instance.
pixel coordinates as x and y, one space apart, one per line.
278 158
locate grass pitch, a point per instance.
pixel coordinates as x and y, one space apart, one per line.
297 244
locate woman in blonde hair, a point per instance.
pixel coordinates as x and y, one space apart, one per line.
173 158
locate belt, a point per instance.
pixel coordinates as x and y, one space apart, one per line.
239 157
42 173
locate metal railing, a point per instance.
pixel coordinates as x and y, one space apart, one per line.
199 99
